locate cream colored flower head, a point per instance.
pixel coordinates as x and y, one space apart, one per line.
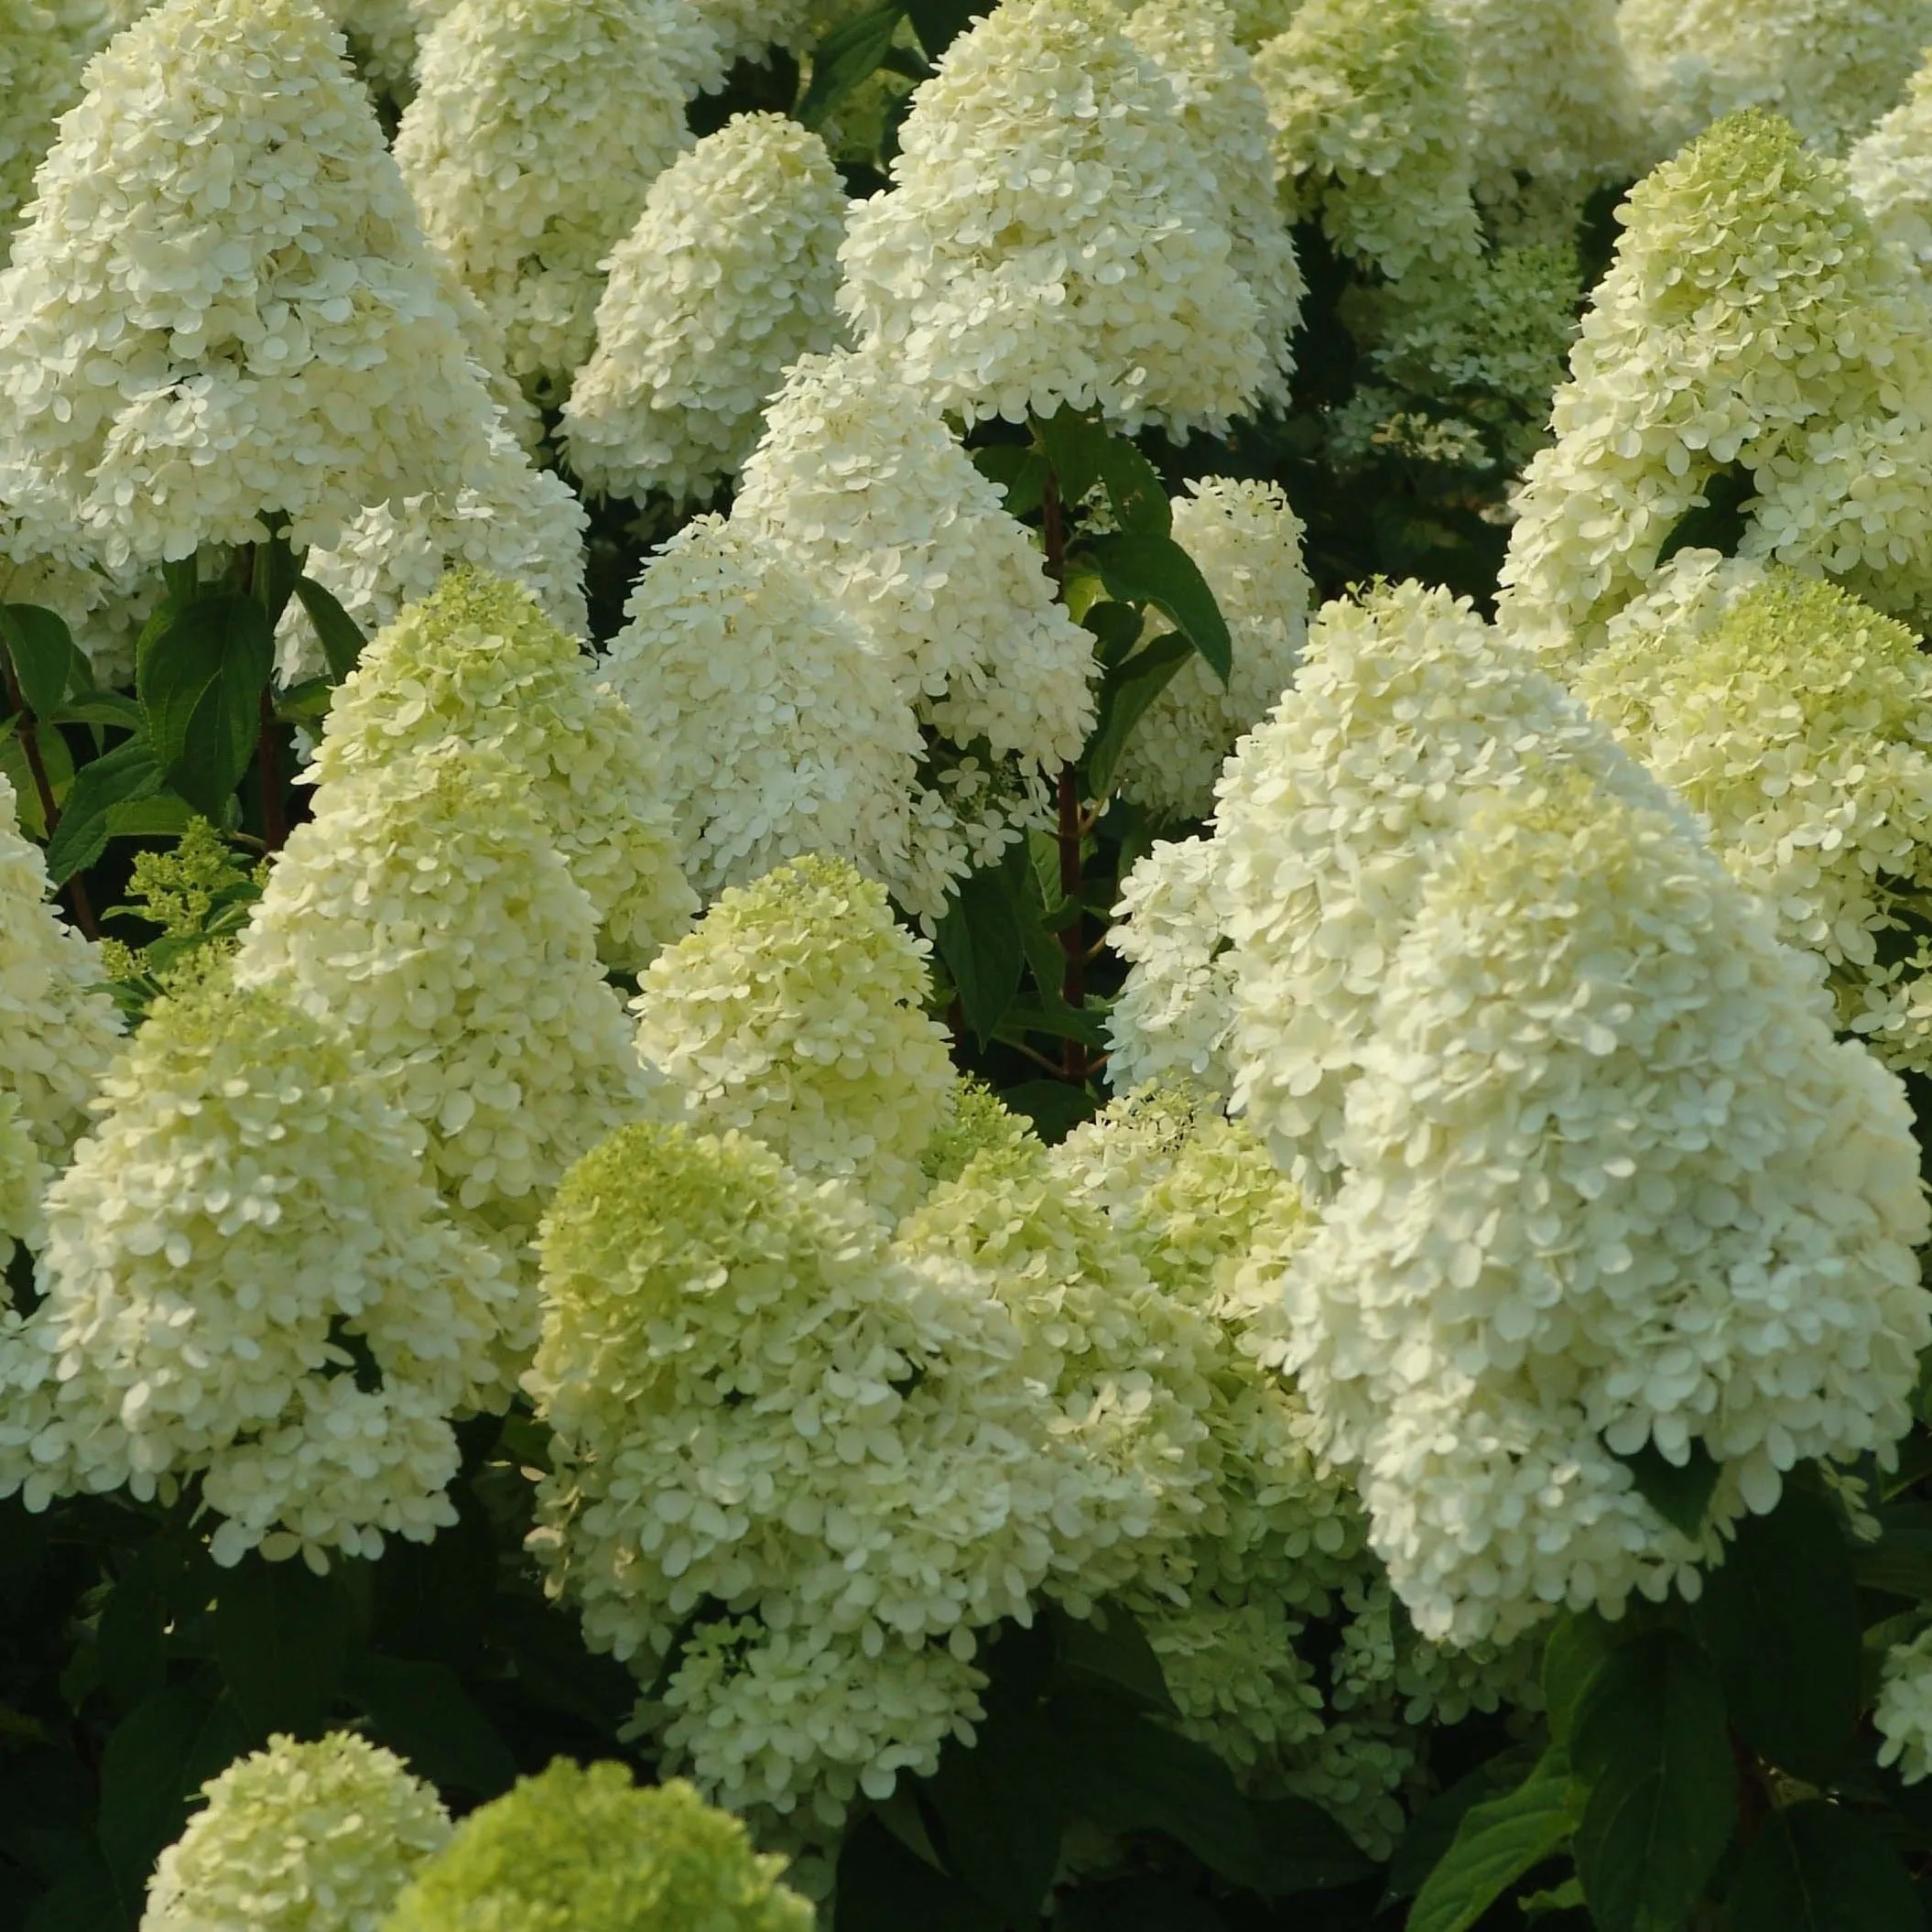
1056 235
727 279
222 308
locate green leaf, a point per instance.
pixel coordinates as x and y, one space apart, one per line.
1084 452
1305 1849
422 1711
46 659
162 817
129 1636
95 707
1780 1615
1434 1823
1001 1805
939 22
1020 473
1055 1107
56 759
884 1888
1818 1867
1718 523
1056 1020
1650 1744
1680 1493
126 774
981 941
1495 1845
1115 627
280 1637
845 58
1578 1647
339 634
1126 691
1127 1773
1110 1650
200 680
1144 567
155 1760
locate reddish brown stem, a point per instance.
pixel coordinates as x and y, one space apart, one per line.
28 732
1073 937
268 770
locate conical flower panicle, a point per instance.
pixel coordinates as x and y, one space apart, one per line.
780 729
537 127
297 1836
1611 1185
860 480
590 1850
250 1206
222 306
1751 335
425 913
794 1011
757 1404
506 519
1055 234
58 1029
1830 67
1797 723
1192 43
477 660
727 279
1891 173
1372 132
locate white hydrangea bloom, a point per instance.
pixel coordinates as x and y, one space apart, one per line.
1331 816
860 480
1891 173
780 729
1750 321
507 519
383 36
805 1723
1830 67
24 1175
44 47
1054 235
298 1838
426 912
479 661
1798 724
1552 109
537 127
1176 1009
1902 1715
728 277
223 305
796 1012
1193 43
58 1030
754 1404
1247 542
1124 1365
250 1202
1610 1185
1372 131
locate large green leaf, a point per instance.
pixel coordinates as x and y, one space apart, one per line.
124 776
1145 567
1084 452
1001 1806
1650 1744
281 1636
46 660
1497 1843
340 637
846 57
422 1711
1679 1492
157 1759
200 678
1818 1867
980 941
1126 691
884 1886
1780 1615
